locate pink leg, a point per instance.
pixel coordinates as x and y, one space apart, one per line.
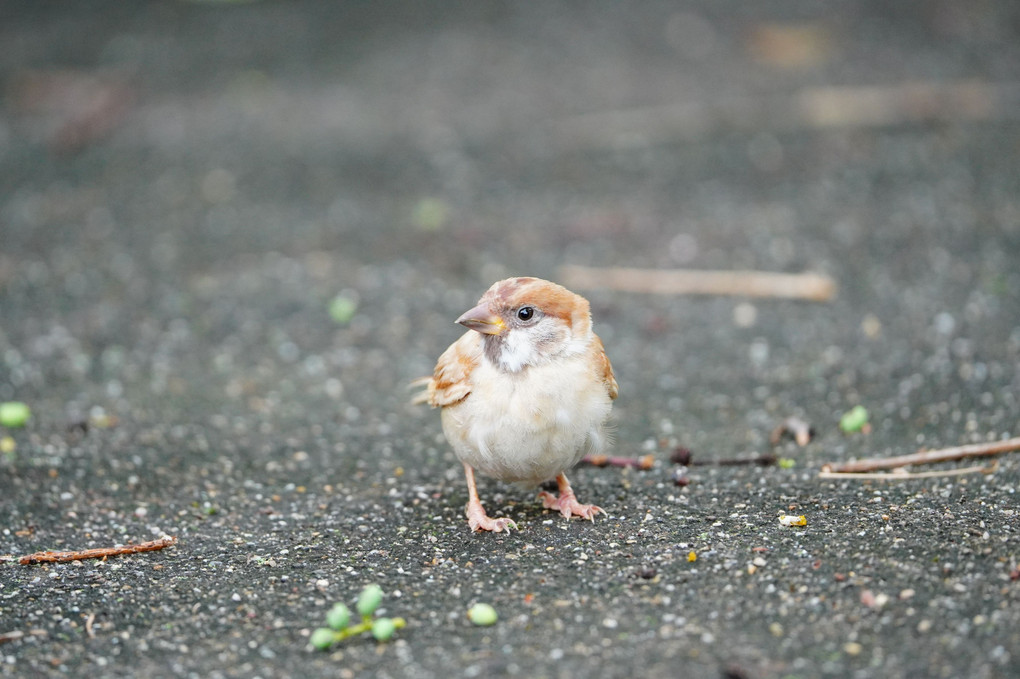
477 518
567 503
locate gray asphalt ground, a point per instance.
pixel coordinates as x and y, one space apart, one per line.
185 188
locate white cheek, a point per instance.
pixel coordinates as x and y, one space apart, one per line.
518 351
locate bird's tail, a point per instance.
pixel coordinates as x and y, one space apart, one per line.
422 397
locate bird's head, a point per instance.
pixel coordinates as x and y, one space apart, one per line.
529 321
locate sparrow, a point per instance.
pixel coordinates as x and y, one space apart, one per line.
524 393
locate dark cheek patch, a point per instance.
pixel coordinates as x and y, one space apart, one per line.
493 347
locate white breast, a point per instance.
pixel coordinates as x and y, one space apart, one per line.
529 426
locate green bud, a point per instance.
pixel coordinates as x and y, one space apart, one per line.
338 617
383 629
322 638
482 615
369 600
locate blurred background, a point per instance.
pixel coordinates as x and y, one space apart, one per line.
277 209
232 232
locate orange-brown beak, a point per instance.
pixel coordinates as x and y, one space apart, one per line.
481 319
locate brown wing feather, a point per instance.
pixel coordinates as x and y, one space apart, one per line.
450 382
605 368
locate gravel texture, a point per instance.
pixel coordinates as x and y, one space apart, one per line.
187 189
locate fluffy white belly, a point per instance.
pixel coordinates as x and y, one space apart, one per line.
529 426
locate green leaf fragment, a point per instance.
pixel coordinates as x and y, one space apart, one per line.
854 419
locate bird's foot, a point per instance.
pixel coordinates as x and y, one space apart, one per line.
479 520
567 505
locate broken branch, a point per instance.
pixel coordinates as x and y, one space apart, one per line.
927 457
101 553
809 286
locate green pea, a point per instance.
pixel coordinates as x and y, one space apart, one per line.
854 419
338 617
322 638
369 600
482 615
14 414
383 629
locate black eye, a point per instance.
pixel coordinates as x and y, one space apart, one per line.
525 313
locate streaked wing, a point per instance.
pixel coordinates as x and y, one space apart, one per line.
450 382
605 368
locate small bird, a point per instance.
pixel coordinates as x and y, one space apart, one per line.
525 393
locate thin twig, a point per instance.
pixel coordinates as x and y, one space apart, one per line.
643 462
88 625
927 457
101 553
685 457
809 286
905 475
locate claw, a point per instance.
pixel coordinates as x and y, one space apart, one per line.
567 503
478 520
484 522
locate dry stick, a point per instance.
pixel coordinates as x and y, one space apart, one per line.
809 286
905 476
927 457
643 462
101 553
